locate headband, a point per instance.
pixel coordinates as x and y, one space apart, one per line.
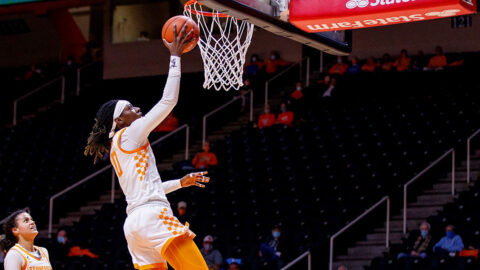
119 107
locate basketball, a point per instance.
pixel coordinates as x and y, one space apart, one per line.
180 21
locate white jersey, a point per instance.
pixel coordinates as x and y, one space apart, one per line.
133 158
27 260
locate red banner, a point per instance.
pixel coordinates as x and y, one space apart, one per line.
333 15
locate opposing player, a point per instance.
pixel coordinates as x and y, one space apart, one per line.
153 234
20 232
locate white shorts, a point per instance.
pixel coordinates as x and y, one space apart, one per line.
149 230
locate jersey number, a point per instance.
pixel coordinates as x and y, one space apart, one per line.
116 164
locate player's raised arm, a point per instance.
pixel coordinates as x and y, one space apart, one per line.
140 129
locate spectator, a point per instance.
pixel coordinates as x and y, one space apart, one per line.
339 68
439 61
234 266
421 246
285 117
342 267
419 62
297 93
243 92
274 250
403 62
169 124
273 64
370 66
255 65
182 211
387 64
143 36
331 87
354 67
205 159
449 244
267 119
212 257
60 246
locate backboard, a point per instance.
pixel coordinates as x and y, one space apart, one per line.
272 15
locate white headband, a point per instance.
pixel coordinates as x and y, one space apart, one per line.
119 107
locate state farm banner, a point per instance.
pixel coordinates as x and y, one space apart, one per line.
332 15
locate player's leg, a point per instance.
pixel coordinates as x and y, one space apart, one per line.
183 254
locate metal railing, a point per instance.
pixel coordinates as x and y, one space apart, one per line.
280 74
468 153
299 258
204 131
93 175
452 152
387 225
62 95
79 71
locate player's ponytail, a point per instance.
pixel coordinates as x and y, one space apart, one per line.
10 240
98 142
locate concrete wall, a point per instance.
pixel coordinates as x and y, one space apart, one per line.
416 36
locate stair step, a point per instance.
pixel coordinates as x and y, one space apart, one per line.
439 198
380 236
422 212
353 264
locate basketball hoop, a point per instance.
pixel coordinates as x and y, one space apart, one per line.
223 44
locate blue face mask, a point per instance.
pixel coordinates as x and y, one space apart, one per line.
276 234
60 239
450 234
424 233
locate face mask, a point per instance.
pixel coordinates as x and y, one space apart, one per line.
283 109
450 234
299 88
207 247
424 233
276 234
254 59
267 111
273 57
60 239
339 60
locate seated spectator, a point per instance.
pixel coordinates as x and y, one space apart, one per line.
274 250
421 245
212 257
339 68
60 246
403 62
297 93
439 61
419 62
169 124
234 266
143 36
354 67
182 211
267 119
255 65
205 159
386 64
273 64
449 244
285 117
370 65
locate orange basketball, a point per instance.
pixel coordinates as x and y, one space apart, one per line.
179 21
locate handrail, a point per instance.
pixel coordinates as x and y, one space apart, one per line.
79 77
387 231
62 95
299 258
451 151
204 131
285 71
468 153
50 214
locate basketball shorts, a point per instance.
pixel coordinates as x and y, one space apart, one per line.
149 230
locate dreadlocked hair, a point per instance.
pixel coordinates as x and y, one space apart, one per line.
98 142
7 242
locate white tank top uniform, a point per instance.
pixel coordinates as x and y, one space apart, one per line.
17 257
150 225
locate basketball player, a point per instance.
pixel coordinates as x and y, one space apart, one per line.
153 234
20 232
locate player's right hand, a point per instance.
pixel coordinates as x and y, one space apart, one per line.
180 40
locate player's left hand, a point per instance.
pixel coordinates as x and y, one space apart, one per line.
195 179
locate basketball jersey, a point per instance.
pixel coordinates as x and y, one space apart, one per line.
137 173
31 261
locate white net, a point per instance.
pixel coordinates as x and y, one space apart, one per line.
223 44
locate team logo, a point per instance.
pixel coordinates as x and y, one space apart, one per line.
357 3
445 13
